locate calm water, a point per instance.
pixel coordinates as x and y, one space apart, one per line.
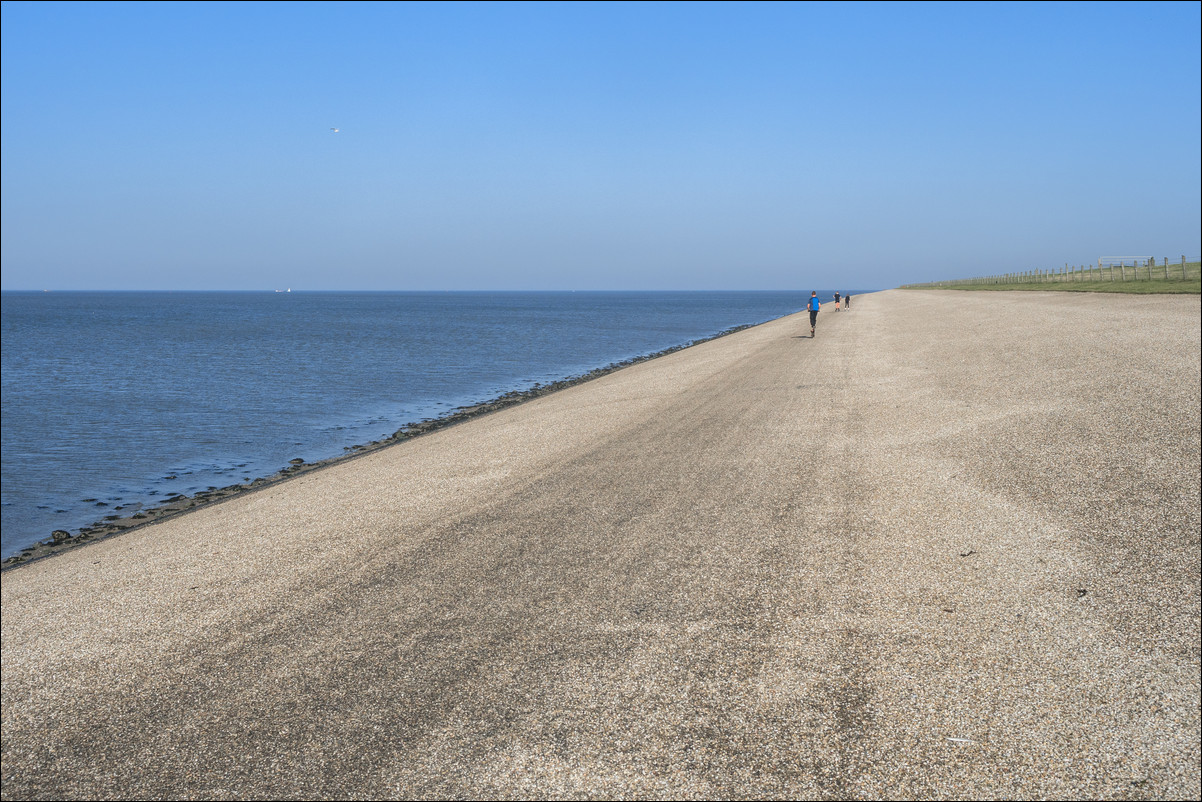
123 399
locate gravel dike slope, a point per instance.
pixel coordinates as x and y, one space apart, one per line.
947 548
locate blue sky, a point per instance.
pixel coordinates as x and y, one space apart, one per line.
591 146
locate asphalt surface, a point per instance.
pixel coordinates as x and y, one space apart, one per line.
948 548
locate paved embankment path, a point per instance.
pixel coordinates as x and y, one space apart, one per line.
948 548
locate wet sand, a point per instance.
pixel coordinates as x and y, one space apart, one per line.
947 548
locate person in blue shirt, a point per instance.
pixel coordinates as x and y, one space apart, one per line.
813 306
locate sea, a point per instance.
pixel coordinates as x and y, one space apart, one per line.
114 401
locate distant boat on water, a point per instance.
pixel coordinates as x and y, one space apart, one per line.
287 290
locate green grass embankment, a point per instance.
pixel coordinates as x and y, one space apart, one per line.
1191 286
1144 280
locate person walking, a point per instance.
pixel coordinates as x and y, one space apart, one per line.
836 302
813 306
847 300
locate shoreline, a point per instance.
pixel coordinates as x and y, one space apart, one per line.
950 546
61 540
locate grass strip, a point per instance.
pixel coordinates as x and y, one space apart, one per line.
1104 279
1154 287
